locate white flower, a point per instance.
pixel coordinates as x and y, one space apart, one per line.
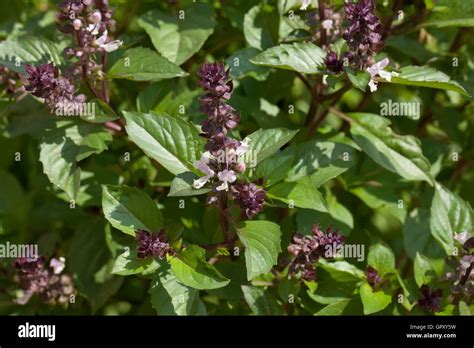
243 147
226 176
327 24
93 29
109 46
57 264
377 69
462 237
202 165
305 4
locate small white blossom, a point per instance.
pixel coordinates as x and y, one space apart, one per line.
305 4
462 237
226 176
203 166
57 264
108 46
377 69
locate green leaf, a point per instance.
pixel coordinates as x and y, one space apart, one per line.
373 301
425 76
424 271
262 242
89 261
458 13
171 141
335 308
170 297
129 209
143 64
128 263
298 195
265 142
359 78
259 301
182 185
177 38
62 147
240 65
417 235
399 154
257 29
303 57
191 268
14 54
449 214
342 271
381 258
324 159
274 168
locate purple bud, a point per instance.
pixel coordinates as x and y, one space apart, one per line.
430 300
152 245
249 197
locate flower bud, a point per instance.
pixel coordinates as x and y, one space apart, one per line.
77 24
95 17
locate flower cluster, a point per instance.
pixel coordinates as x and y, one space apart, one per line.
430 300
11 82
250 197
372 276
462 278
223 159
308 249
89 21
153 245
45 82
49 283
364 34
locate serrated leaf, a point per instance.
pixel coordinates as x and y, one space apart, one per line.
259 301
191 268
262 242
170 297
449 214
143 64
399 154
171 141
62 147
265 142
182 185
177 39
423 270
425 76
373 301
298 195
303 57
129 209
381 258
14 54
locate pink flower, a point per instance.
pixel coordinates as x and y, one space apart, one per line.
226 176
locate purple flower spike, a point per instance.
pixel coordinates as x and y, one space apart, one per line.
430 300
250 198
